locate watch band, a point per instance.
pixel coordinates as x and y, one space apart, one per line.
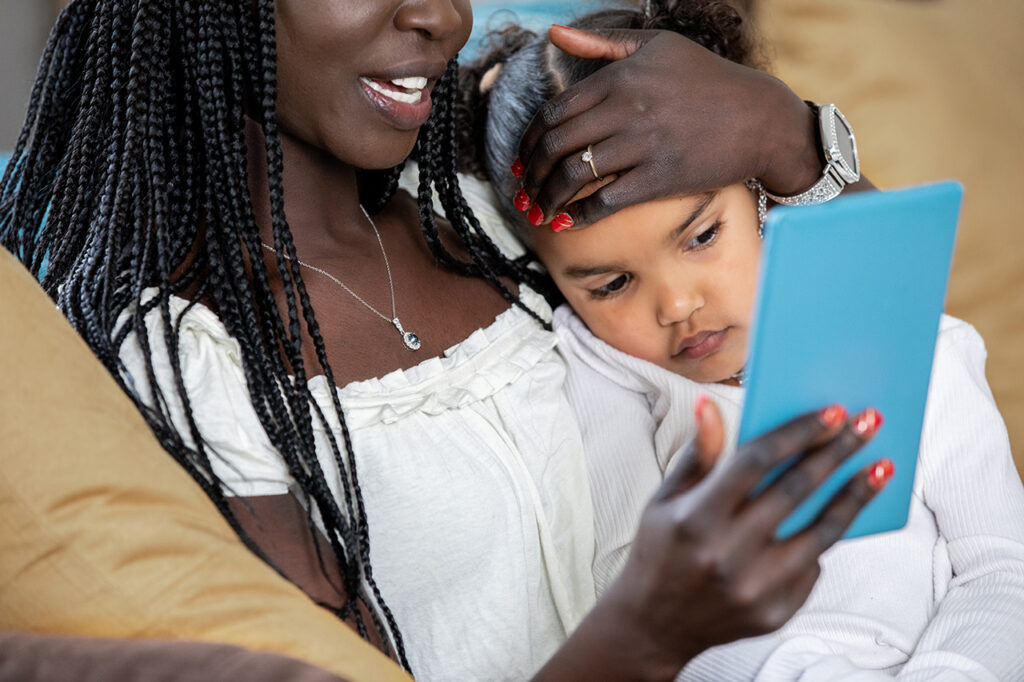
841 168
828 187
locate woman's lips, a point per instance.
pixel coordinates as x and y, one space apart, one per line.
405 103
702 344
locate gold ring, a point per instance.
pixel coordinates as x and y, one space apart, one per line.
588 157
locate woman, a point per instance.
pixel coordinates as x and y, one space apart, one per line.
205 167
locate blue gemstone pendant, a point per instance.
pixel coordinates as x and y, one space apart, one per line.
411 340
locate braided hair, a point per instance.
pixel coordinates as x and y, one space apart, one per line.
130 177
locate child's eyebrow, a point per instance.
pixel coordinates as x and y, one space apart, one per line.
705 199
581 271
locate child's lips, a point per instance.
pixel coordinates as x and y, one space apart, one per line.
701 344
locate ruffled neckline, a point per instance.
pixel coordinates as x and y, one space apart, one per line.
489 357
473 369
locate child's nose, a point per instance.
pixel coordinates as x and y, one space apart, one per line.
677 301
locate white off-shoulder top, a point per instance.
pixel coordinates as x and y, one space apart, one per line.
472 473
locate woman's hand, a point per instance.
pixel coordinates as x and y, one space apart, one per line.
706 567
668 117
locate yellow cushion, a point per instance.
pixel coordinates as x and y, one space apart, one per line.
934 89
103 534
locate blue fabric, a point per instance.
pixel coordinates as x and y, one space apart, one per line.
5 158
536 15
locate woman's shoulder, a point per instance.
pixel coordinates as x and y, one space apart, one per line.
208 365
197 330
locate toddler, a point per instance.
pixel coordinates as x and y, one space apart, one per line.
658 302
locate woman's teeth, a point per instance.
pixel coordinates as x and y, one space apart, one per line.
412 82
411 91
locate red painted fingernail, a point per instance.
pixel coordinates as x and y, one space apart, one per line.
833 415
562 221
881 473
868 422
560 26
522 200
518 168
536 215
698 409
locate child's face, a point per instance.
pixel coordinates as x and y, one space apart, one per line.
670 281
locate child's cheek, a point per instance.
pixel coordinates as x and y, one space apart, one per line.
615 325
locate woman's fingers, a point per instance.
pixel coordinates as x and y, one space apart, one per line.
563 127
700 455
780 576
610 45
710 432
627 189
560 145
758 519
763 514
556 112
745 472
805 547
614 157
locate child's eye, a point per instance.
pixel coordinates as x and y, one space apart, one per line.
705 237
613 287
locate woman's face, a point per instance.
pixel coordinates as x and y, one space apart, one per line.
355 76
669 281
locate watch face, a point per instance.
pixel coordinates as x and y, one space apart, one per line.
846 160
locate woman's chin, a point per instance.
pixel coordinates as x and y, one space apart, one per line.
385 152
392 151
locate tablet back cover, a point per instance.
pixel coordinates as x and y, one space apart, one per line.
848 311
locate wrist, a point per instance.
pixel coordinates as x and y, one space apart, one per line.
608 646
794 162
616 641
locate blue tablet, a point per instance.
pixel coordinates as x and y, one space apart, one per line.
848 310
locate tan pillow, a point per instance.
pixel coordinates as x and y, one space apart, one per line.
102 534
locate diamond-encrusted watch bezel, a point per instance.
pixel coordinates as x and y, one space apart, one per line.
848 169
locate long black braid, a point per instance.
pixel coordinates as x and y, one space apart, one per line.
129 185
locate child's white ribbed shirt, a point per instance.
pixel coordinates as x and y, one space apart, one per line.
941 599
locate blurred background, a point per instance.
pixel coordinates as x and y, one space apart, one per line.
934 89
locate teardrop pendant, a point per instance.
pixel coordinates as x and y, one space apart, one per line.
411 340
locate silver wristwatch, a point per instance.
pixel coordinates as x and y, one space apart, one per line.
841 164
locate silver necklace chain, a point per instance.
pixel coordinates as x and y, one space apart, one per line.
412 341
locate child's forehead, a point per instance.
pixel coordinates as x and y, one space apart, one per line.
633 232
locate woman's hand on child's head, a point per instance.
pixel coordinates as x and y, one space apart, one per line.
669 117
706 567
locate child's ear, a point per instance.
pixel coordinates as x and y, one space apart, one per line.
489 77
